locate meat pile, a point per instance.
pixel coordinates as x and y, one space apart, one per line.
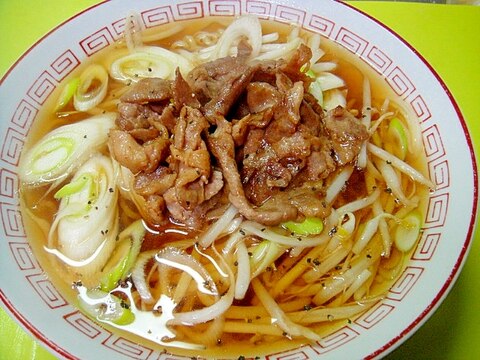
232 132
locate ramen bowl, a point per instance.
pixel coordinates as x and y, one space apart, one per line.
36 298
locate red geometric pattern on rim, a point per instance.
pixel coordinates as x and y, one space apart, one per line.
12 220
400 83
432 141
224 7
12 146
86 326
426 246
190 10
262 9
351 41
157 16
378 60
96 41
405 283
47 291
42 88
64 65
296 354
289 14
374 315
22 253
421 109
8 183
439 173
24 115
118 28
127 347
335 340
437 210
321 25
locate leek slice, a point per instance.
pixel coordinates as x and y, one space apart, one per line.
408 231
330 81
87 218
92 88
124 256
398 135
103 306
264 255
67 93
309 226
62 150
148 62
316 90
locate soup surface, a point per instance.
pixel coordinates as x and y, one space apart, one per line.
227 188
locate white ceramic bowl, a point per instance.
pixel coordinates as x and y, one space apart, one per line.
35 301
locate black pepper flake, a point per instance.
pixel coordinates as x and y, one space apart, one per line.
285 333
110 190
316 262
250 253
309 260
389 162
241 357
268 268
388 190
249 321
84 136
332 231
235 263
299 238
307 307
219 341
262 229
150 69
338 267
241 231
349 321
330 317
89 202
369 256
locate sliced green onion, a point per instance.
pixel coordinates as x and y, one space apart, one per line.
147 62
72 187
398 135
92 88
124 256
316 90
103 306
67 94
408 231
87 217
263 256
333 98
330 81
62 150
309 226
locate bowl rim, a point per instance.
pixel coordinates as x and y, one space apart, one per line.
434 303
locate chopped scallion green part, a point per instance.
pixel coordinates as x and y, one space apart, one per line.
309 226
408 231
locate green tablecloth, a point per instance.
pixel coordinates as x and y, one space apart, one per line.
448 36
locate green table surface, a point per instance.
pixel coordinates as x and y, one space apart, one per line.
447 36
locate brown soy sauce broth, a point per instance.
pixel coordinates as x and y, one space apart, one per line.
40 204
